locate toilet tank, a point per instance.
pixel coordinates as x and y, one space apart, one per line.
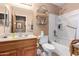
43 39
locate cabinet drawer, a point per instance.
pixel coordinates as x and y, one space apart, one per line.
9 53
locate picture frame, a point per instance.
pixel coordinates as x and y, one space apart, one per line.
41 20
20 26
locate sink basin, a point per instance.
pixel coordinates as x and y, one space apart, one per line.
15 35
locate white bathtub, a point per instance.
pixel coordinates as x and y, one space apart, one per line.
61 46
61 49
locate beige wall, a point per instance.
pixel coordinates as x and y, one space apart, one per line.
31 16
51 9
69 7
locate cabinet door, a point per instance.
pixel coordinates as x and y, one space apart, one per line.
9 53
31 51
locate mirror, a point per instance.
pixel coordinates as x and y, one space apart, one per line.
24 19
13 19
20 22
4 19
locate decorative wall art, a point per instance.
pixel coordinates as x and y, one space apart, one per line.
42 15
20 26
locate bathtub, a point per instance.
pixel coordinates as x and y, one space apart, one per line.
60 49
61 46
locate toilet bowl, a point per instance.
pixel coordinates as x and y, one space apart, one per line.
48 48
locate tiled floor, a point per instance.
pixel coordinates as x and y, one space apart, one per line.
54 54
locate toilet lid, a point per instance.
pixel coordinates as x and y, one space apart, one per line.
48 46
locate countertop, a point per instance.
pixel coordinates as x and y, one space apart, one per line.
17 38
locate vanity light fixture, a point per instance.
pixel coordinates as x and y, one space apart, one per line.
29 4
22 5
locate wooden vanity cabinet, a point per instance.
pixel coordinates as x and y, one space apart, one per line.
26 47
29 51
9 53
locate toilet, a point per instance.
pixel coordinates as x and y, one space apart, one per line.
48 48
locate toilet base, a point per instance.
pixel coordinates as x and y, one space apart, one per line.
48 53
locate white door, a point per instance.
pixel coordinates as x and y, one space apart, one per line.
51 26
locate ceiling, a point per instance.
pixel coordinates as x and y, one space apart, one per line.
59 4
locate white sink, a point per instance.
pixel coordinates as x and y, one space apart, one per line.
16 35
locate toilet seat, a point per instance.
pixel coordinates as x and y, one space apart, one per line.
48 46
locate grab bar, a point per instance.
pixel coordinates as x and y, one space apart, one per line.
71 27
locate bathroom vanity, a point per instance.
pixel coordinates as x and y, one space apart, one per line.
25 46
